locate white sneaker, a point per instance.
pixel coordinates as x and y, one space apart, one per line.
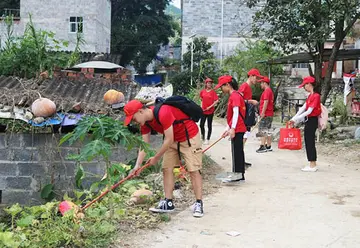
309 169
206 142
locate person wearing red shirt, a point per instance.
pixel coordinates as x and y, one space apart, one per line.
235 123
175 144
246 92
266 115
209 99
309 114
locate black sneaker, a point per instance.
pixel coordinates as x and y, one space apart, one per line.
247 165
198 210
262 149
164 206
268 148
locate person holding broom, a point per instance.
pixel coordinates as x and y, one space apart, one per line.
181 138
235 122
309 114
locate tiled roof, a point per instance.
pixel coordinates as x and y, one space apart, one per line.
65 92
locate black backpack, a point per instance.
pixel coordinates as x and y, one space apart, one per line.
186 105
250 114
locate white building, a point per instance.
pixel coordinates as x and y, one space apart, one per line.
92 18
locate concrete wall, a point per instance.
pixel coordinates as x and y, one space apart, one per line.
54 15
28 162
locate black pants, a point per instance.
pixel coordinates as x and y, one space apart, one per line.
209 119
309 132
238 156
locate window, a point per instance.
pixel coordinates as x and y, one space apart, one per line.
300 65
76 24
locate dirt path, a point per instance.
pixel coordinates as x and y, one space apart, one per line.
277 206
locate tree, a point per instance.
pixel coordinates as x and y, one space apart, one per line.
308 24
138 29
242 61
204 65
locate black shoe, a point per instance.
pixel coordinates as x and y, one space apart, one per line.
268 148
164 206
247 165
262 149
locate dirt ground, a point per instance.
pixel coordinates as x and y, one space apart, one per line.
277 206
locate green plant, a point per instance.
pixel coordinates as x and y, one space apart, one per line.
31 54
103 135
339 109
242 61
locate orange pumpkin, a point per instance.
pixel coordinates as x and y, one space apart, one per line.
43 107
113 97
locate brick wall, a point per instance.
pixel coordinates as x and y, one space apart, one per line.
28 162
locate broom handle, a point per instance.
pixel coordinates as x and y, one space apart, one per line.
138 171
130 176
212 145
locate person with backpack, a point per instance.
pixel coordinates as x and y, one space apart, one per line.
235 122
181 140
246 92
266 115
209 99
309 113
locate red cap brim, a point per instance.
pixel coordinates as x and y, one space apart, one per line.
302 85
127 120
218 86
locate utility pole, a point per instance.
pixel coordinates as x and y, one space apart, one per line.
222 32
192 57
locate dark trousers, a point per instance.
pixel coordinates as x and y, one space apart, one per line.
209 119
309 132
238 156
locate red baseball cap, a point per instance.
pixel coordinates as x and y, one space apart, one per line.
307 80
130 109
223 80
265 80
254 72
208 80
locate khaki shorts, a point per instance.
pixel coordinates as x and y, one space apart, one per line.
191 155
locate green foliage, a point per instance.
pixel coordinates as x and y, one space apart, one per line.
294 25
201 52
103 134
243 60
31 54
339 110
138 29
42 226
204 65
47 192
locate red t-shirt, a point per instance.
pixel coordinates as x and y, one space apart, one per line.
167 116
208 98
313 101
267 95
246 91
235 100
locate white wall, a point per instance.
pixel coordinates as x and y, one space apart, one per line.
54 15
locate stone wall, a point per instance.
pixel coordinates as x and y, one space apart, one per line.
204 17
28 162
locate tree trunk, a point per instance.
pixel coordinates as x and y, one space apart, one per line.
276 93
326 87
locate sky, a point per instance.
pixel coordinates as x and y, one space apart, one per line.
177 3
